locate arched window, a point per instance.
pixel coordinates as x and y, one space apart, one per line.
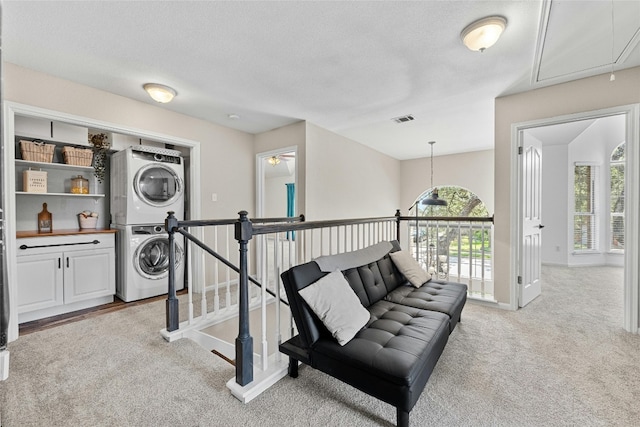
460 202
616 174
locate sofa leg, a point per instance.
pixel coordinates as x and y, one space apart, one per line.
402 418
293 367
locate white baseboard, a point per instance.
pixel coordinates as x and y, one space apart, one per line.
4 365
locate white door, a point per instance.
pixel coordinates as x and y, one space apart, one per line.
530 262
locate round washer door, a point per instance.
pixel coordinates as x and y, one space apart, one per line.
157 185
152 257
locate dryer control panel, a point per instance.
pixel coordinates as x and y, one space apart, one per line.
156 157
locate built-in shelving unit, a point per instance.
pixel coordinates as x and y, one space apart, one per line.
53 165
26 193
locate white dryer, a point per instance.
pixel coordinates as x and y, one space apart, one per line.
146 183
143 261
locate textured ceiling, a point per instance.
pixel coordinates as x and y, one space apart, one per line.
349 67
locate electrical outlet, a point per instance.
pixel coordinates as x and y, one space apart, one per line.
214 197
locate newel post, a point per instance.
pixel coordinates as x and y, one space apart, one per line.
171 224
244 342
398 225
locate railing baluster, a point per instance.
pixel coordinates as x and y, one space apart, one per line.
216 284
187 260
228 270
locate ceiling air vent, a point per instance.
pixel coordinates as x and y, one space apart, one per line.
403 119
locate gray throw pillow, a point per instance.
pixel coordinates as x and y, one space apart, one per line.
410 268
336 305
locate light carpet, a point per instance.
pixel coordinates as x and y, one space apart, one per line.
564 360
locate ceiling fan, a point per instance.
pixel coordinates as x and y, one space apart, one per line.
276 159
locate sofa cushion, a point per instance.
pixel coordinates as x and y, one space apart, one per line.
446 297
336 305
410 268
346 260
310 329
400 344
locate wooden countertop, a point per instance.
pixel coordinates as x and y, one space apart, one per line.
34 233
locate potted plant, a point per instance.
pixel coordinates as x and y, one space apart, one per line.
100 144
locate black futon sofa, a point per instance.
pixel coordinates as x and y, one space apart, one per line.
392 356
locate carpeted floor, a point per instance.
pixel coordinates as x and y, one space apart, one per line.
563 360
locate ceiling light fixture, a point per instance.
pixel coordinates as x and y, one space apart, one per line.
160 93
273 160
483 33
433 199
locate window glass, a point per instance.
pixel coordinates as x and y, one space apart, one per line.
584 219
617 177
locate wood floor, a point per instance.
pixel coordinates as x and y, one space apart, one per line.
75 316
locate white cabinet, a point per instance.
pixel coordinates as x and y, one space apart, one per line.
32 127
70 134
35 127
58 274
41 282
121 142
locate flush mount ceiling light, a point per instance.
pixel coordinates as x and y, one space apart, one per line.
483 33
160 93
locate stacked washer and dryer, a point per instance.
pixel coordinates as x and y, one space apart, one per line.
146 183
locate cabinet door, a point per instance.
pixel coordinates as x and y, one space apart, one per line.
89 274
40 281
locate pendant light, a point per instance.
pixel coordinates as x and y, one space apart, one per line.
433 199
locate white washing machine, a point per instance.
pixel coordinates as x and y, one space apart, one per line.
146 183
143 261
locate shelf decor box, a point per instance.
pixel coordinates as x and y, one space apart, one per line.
77 156
37 151
34 181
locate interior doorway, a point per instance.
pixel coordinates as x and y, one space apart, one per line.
276 197
274 171
572 145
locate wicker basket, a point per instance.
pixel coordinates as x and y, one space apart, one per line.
37 151
77 156
88 222
34 181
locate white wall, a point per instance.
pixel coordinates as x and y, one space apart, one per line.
345 179
275 201
226 162
473 171
555 209
226 155
594 146
293 135
589 94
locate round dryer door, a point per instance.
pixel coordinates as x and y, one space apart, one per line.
152 257
157 185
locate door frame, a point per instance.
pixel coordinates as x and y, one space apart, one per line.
632 207
260 157
9 111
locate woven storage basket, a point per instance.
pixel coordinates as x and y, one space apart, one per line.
77 156
37 151
34 181
88 222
